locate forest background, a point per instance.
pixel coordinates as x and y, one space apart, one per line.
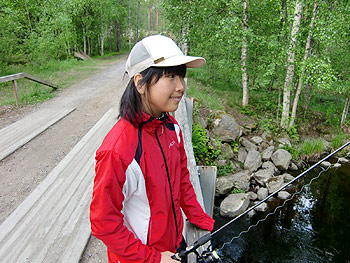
283 63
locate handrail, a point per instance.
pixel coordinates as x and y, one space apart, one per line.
14 77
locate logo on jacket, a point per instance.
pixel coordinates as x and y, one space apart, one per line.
171 144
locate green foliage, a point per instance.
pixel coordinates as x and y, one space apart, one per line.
338 140
312 147
37 95
293 133
203 151
225 170
237 191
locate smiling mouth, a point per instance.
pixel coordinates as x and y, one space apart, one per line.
176 98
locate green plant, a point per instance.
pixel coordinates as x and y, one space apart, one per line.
225 170
293 133
203 151
338 140
237 191
312 147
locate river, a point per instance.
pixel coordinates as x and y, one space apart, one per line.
313 227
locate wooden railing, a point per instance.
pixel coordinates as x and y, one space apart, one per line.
14 77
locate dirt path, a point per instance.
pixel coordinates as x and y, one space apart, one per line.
23 170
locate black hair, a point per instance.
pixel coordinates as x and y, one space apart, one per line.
130 107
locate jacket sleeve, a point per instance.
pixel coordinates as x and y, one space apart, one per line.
107 220
188 200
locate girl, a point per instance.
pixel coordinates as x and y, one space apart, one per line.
142 181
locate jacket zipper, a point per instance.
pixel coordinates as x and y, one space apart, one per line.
171 191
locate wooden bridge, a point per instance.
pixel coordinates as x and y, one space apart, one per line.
52 223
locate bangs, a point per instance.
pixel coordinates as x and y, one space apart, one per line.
176 70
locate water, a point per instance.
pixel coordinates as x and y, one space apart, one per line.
313 227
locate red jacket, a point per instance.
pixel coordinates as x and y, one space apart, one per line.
141 183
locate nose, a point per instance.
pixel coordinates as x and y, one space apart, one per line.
180 84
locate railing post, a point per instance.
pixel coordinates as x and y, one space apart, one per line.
15 90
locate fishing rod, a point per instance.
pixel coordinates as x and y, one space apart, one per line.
211 255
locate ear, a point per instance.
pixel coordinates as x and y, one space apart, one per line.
137 81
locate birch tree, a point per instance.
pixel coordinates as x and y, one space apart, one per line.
290 70
301 77
244 56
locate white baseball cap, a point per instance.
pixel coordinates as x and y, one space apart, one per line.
158 51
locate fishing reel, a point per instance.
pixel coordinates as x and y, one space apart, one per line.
208 256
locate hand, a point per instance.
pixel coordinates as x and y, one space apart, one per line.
166 257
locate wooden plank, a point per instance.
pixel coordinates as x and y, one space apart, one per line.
19 133
11 77
27 76
52 224
15 91
41 81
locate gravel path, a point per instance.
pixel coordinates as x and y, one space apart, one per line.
22 171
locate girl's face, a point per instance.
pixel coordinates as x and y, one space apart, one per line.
163 96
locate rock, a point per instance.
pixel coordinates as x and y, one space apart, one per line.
256 139
281 158
226 151
234 205
275 183
247 144
262 176
262 193
343 160
252 196
221 163
238 180
251 213
293 167
261 208
287 177
326 164
266 154
271 166
253 161
242 154
226 128
336 165
283 195
283 142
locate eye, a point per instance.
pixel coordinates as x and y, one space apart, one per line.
170 76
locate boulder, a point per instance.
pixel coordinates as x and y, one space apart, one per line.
275 183
343 160
283 195
283 142
226 128
247 144
281 158
234 205
287 177
271 166
253 161
242 154
262 193
226 151
225 184
261 208
293 167
336 165
256 139
326 164
266 154
262 176
252 196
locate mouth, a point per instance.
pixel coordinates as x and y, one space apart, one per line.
176 98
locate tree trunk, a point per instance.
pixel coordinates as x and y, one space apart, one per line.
84 39
306 56
245 54
290 69
345 111
307 98
149 20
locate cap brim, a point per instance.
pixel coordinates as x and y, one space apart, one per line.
190 61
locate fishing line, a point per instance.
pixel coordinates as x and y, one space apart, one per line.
211 255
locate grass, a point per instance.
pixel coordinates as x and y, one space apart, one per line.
63 73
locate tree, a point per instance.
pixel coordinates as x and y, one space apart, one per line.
290 70
245 86
301 77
